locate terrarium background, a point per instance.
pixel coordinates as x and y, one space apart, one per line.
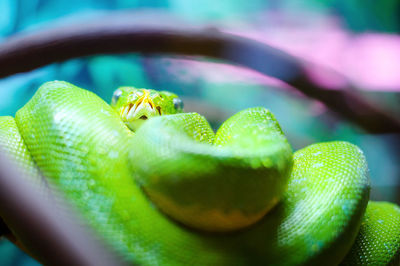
356 38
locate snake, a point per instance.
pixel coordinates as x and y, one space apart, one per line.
160 187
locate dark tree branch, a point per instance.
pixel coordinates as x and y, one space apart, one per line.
112 35
3 228
48 229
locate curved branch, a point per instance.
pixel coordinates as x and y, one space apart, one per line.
27 52
50 229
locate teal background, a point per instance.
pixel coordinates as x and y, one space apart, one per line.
215 90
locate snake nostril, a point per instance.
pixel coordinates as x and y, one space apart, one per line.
143 117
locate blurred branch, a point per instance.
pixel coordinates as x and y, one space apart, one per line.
48 229
113 35
3 228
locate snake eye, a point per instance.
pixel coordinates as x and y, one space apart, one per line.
178 104
116 95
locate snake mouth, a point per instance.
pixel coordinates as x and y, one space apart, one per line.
135 113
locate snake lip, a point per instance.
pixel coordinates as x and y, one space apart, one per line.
142 109
136 115
158 110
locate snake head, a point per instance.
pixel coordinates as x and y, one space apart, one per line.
135 106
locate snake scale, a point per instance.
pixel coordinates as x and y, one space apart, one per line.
170 191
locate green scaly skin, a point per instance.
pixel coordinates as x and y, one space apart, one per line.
81 145
378 241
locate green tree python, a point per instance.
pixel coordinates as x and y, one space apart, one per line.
162 188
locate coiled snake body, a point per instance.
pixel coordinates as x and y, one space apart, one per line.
174 193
